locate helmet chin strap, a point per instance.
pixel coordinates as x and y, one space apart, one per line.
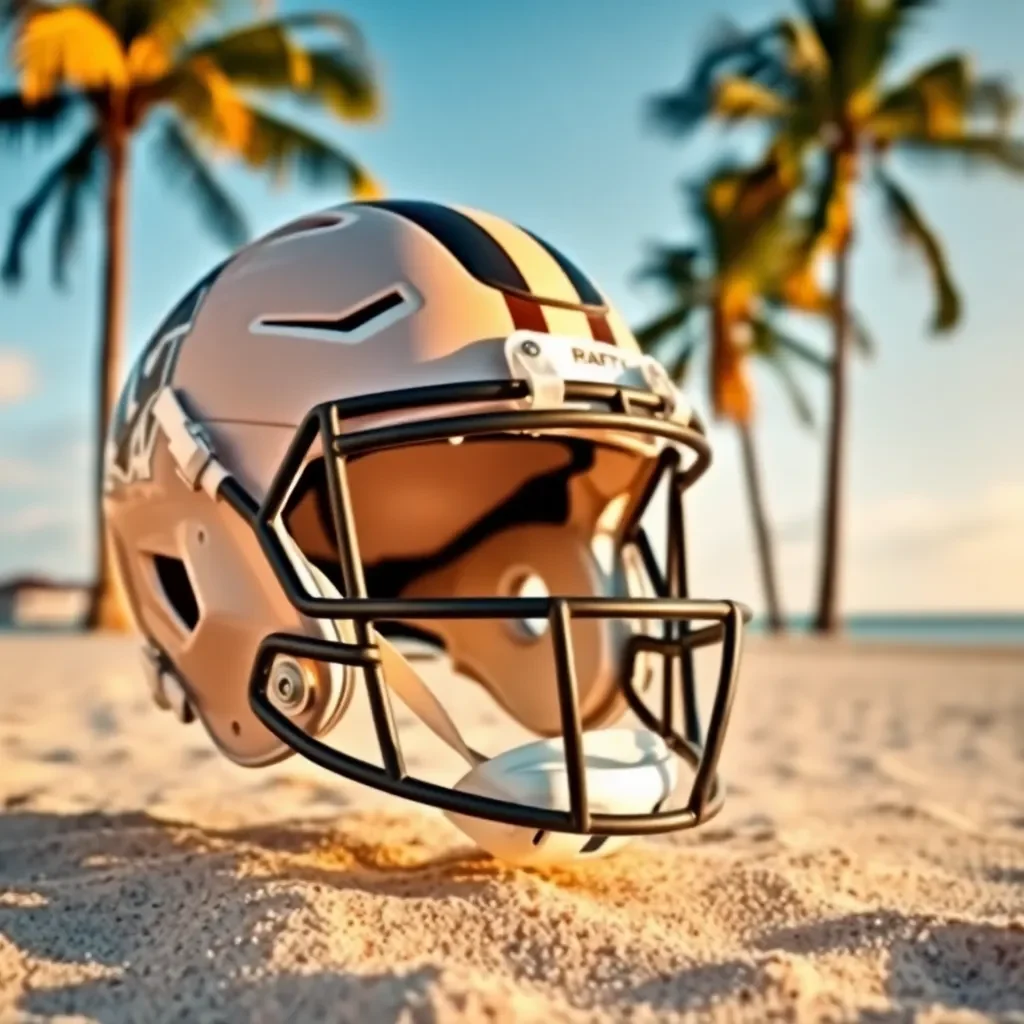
401 677
419 698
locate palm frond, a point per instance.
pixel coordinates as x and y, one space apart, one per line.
27 214
822 19
770 340
861 336
912 228
249 40
185 169
969 150
43 119
743 212
675 267
651 334
283 148
67 45
269 56
678 359
830 222
776 349
80 173
939 101
206 100
224 118
824 196
345 85
168 21
743 99
729 51
677 348
794 391
805 53
995 97
872 37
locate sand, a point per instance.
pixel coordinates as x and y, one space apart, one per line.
869 865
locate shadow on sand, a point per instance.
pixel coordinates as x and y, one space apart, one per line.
130 917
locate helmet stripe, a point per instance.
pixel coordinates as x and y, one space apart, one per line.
573 304
600 329
545 278
530 272
584 287
526 314
469 243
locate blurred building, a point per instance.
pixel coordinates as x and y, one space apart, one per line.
38 601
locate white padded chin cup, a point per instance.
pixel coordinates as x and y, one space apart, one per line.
629 771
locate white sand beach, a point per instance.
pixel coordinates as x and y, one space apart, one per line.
869 865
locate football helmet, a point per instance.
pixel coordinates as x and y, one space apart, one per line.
400 420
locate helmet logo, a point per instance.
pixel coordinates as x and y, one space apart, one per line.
133 428
133 432
595 358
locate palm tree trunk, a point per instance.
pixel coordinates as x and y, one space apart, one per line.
106 609
827 617
765 554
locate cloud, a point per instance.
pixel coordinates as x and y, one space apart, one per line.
903 527
43 539
18 474
46 511
17 376
929 552
914 551
35 518
46 459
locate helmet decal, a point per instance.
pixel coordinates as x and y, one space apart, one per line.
129 453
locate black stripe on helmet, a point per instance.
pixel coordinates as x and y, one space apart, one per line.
483 256
469 243
585 288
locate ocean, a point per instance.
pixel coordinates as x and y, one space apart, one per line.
996 630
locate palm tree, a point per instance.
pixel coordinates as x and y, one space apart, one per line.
111 69
821 85
750 265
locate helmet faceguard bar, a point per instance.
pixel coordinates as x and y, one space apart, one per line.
627 411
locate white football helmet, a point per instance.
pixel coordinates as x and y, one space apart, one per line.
402 419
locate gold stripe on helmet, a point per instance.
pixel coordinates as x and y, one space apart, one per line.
543 275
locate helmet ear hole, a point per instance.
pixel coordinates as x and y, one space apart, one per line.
524 582
176 589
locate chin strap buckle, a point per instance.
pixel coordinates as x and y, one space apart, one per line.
529 362
188 446
164 686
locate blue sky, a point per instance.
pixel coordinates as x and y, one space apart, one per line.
533 110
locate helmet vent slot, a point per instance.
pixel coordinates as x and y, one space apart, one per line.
345 323
306 226
177 589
